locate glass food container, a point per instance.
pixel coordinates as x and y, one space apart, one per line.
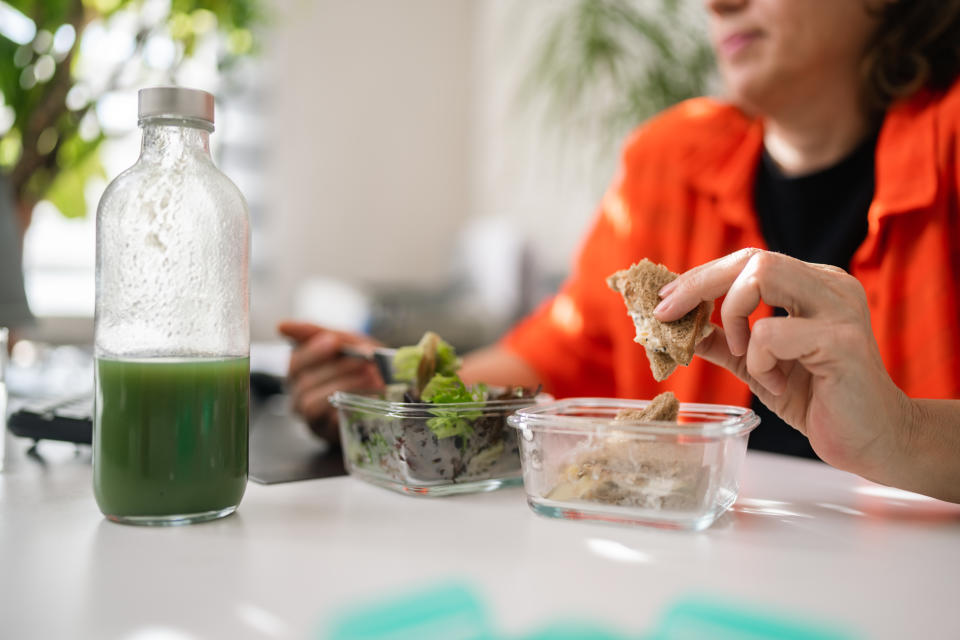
391 444
172 338
580 463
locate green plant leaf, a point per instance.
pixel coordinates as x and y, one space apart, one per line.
66 192
40 105
602 67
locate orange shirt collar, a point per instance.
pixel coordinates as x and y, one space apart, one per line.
906 163
906 172
728 170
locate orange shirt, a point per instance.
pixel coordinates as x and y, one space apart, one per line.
684 196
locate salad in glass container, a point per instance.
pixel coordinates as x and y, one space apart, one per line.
429 433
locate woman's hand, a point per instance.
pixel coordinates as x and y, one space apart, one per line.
819 368
317 370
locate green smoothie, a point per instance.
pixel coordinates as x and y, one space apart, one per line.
170 437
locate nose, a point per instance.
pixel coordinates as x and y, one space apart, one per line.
723 7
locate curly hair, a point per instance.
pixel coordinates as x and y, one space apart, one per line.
917 44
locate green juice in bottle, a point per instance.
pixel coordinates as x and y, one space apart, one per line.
171 437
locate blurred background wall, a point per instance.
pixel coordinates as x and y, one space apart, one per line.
398 140
409 165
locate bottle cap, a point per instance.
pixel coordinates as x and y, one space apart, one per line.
175 102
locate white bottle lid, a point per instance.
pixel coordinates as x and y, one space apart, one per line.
175 102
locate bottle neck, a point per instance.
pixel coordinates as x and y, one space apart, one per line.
174 139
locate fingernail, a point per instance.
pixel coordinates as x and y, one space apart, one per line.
781 386
667 288
734 347
775 383
663 307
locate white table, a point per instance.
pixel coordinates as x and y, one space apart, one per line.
804 540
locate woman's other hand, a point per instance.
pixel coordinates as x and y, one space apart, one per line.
317 369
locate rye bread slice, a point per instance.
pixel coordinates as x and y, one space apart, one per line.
664 407
667 343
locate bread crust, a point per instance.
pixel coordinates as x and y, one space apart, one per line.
664 407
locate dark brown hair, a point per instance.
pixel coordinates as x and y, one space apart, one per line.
917 44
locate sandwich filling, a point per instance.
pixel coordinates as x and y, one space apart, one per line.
647 334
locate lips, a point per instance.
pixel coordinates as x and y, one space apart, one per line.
737 42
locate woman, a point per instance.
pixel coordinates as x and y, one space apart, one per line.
839 145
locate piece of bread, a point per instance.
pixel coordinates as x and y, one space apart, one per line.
619 467
668 344
664 407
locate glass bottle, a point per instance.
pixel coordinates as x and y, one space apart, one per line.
172 337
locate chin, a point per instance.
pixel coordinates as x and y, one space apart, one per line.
751 92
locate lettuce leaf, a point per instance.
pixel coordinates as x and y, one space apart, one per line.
443 386
447 361
406 361
443 389
405 364
447 423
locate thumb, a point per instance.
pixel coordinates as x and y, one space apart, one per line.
714 349
298 331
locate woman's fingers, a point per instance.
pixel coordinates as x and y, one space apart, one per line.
763 355
818 344
773 346
301 332
778 275
298 331
318 368
321 348
822 347
743 296
715 349
748 277
803 289
315 402
774 278
327 373
707 282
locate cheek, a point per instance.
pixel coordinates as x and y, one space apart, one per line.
828 35
800 55
797 47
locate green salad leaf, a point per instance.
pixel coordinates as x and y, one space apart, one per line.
443 389
447 361
406 362
443 386
447 423
450 423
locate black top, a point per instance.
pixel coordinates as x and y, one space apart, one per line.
819 217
